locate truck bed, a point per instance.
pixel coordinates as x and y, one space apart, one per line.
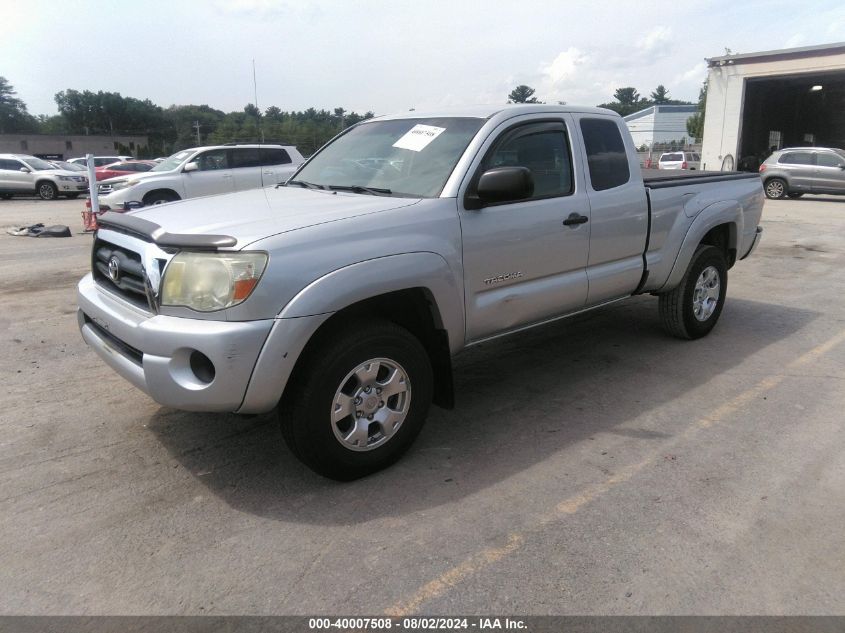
659 179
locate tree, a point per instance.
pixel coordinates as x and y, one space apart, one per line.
660 96
627 96
13 113
695 124
522 94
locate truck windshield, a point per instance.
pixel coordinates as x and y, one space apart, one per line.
404 157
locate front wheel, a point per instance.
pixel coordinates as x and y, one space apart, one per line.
357 400
692 309
795 194
71 196
47 191
160 197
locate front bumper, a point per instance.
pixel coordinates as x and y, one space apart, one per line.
156 353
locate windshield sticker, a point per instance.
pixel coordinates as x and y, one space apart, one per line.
418 137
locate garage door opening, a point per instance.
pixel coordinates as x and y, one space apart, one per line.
806 110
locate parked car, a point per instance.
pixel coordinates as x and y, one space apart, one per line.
25 174
679 160
342 296
203 171
63 164
123 168
99 161
793 171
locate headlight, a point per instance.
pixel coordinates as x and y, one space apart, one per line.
211 281
123 184
66 178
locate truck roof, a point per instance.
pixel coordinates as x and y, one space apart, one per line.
488 111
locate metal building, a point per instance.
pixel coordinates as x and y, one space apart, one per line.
757 102
62 146
660 124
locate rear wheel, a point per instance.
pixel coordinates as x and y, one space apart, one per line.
71 196
775 188
692 309
794 194
357 400
47 190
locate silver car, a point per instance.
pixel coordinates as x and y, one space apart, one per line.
793 171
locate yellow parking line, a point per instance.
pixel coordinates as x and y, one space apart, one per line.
478 561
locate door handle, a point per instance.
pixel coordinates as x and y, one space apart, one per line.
574 219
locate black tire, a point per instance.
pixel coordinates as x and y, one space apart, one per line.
160 197
71 196
677 307
306 410
794 194
46 190
775 188
6 196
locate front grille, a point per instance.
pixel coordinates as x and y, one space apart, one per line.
131 280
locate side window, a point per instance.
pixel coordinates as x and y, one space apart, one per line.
274 156
542 148
797 158
829 160
9 165
213 159
606 157
246 157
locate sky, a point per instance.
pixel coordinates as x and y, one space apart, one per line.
387 56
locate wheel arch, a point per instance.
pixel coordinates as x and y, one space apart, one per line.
720 224
167 190
417 291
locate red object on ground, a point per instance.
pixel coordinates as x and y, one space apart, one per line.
89 218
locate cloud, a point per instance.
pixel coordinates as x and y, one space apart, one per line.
696 75
564 68
795 40
655 38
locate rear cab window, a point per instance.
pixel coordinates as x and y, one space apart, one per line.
607 161
274 156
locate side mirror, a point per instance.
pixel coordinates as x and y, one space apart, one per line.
503 184
192 166
25 170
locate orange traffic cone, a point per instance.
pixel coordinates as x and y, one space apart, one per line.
89 218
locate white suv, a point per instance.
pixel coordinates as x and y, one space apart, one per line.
679 160
202 171
25 174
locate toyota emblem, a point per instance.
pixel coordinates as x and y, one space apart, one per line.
114 269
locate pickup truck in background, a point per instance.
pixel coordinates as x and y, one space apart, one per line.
341 297
202 171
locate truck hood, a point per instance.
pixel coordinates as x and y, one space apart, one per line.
141 175
252 215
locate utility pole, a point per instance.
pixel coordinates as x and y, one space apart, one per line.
197 126
255 94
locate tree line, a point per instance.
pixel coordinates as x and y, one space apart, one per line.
180 126
176 127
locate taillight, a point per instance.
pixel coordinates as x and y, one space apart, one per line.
684 165
762 168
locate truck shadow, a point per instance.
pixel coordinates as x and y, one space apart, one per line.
520 400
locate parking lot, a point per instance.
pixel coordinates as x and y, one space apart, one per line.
592 466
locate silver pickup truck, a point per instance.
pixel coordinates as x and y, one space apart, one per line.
341 297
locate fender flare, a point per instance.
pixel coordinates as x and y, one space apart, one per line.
726 212
345 286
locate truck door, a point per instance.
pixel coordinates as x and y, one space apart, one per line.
618 209
213 174
524 261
